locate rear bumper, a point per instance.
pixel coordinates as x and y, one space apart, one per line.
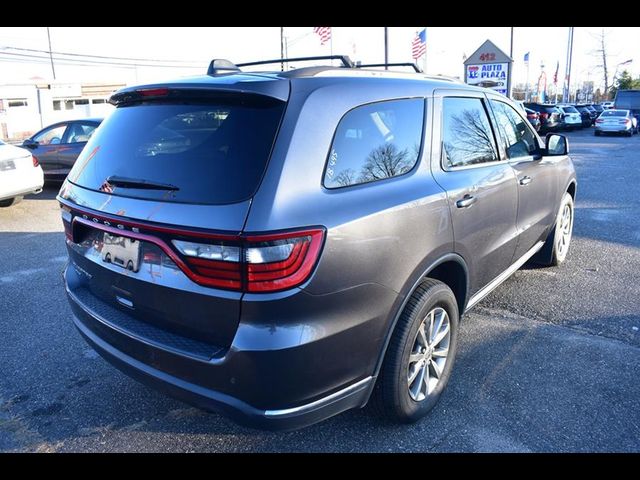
263 380
612 129
22 183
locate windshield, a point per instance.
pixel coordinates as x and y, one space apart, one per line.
207 153
570 110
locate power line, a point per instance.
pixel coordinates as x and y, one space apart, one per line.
98 56
81 62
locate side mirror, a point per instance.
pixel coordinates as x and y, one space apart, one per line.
556 145
30 143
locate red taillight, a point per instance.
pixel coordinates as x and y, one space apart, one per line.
600 120
281 261
256 263
544 115
35 160
153 92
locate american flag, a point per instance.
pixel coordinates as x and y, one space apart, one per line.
324 33
419 44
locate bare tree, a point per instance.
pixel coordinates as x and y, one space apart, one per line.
601 54
385 161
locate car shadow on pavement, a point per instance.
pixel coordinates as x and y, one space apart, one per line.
513 389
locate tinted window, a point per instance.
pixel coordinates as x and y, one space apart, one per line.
570 110
374 142
467 138
51 136
212 153
615 113
79 132
519 139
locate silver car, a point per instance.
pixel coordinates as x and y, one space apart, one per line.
616 121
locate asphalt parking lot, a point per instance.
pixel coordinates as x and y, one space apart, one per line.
549 362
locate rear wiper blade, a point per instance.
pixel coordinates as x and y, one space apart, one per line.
126 182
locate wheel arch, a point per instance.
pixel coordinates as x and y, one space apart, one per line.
451 269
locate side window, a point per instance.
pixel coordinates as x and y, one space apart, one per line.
467 138
79 132
51 136
520 140
376 141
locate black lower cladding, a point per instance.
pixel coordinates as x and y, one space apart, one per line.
255 381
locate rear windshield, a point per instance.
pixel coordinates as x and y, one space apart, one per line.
570 110
628 100
614 113
207 153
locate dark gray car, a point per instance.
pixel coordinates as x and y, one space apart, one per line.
57 146
283 246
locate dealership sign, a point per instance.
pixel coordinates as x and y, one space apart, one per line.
491 75
489 67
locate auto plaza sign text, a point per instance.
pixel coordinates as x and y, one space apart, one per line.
490 75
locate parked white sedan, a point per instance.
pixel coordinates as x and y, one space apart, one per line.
616 121
20 174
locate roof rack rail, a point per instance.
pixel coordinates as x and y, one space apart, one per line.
406 64
346 61
221 65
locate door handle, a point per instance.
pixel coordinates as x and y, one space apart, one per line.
466 201
526 180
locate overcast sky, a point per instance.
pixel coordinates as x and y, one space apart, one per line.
194 46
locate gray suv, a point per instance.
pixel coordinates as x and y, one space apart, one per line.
281 246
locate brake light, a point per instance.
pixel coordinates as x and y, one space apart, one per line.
544 115
599 120
281 261
153 92
258 263
35 160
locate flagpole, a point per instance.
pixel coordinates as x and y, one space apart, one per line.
282 48
386 47
424 66
526 90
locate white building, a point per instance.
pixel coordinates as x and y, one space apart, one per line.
28 107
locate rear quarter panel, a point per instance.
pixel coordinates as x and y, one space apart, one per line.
379 232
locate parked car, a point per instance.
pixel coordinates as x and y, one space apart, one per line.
20 174
592 112
534 118
607 105
585 115
616 121
295 239
628 100
597 107
550 116
570 117
57 146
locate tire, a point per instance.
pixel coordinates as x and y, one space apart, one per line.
10 202
596 133
393 395
130 265
629 133
559 252
107 257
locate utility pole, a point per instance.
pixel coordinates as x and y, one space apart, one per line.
510 78
282 48
386 47
53 70
566 93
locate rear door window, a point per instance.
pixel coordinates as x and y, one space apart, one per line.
467 137
205 153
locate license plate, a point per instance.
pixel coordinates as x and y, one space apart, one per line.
7 165
121 251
